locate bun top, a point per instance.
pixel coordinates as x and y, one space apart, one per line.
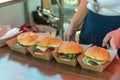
27 38
48 41
70 47
55 42
97 53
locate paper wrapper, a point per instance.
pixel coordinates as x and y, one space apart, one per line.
98 68
6 33
12 44
47 29
72 62
47 57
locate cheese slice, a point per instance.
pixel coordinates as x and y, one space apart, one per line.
41 48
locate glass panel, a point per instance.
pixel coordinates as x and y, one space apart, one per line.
69 7
69 10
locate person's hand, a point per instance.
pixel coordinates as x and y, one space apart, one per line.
70 34
114 38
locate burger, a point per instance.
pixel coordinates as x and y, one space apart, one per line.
27 39
47 44
96 56
69 50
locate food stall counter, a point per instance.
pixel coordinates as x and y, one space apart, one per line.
16 66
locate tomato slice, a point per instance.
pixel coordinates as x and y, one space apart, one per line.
46 52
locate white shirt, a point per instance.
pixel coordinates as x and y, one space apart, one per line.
107 7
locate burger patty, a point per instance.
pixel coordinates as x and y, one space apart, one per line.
68 56
48 51
93 61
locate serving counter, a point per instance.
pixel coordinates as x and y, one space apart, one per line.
17 66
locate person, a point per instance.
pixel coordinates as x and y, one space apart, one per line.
99 17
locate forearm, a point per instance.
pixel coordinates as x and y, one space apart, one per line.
80 15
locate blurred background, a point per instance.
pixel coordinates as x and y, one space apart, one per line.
18 12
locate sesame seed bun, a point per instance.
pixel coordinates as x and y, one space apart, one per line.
55 42
70 47
27 38
48 41
97 53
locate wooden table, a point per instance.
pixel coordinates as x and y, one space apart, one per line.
17 66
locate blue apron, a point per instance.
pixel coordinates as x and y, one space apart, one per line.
96 26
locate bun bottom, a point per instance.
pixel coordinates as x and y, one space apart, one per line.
84 61
65 59
93 62
44 52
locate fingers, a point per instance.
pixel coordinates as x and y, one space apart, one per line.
107 46
69 37
72 38
66 37
115 41
106 39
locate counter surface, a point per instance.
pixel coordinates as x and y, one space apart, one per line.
17 66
